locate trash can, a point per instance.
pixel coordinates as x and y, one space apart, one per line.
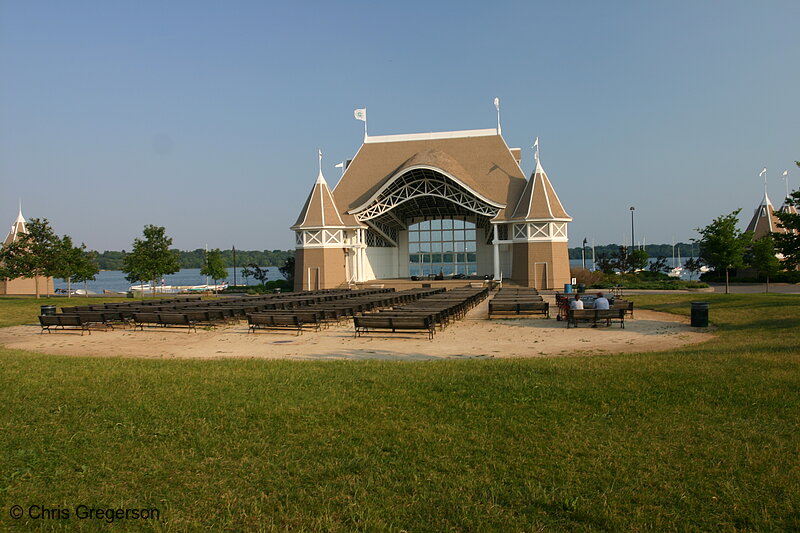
48 310
568 288
277 290
581 288
699 314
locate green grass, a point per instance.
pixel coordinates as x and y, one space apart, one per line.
702 438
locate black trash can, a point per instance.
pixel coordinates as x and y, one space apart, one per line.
699 314
48 310
581 288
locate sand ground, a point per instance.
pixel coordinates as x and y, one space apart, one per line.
472 337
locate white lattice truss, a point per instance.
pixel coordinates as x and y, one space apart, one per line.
536 231
386 233
320 238
427 185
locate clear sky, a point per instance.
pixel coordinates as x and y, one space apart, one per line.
205 117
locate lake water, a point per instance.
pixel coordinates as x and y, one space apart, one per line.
114 280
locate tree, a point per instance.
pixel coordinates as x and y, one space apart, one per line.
637 260
214 266
261 274
788 244
761 256
76 264
692 265
722 244
659 265
150 258
604 264
34 254
288 270
247 274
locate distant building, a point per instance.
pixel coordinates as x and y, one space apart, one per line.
450 203
23 285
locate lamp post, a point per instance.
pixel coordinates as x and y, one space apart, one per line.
633 240
583 253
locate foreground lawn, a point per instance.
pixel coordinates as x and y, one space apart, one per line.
704 438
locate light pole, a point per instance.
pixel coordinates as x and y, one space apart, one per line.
583 253
633 240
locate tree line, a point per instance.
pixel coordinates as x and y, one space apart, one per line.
652 250
114 260
41 253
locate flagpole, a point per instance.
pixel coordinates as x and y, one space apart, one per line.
365 125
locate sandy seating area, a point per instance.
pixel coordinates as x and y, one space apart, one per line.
472 337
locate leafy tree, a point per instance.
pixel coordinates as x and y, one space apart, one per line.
260 274
637 260
722 244
214 266
693 265
288 270
247 273
34 254
604 263
659 265
76 264
151 257
761 256
788 244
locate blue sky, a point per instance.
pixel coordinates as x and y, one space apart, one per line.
205 117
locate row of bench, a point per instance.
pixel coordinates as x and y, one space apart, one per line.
423 315
517 302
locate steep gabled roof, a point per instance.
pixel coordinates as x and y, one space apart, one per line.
764 220
17 228
319 210
479 159
539 199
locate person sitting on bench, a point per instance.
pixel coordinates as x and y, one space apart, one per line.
577 303
601 302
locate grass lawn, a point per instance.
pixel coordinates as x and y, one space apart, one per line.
703 438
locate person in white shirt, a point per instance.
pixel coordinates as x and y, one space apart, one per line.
577 303
601 302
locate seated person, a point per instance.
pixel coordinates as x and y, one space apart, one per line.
577 303
601 302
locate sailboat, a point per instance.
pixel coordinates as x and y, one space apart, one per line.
677 270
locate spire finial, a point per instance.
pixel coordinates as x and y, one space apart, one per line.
320 177
764 174
785 178
536 156
497 106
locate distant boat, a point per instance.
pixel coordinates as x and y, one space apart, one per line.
678 270
207 288
159 289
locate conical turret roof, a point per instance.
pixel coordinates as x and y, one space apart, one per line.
319 210
539 200
17 228
764 220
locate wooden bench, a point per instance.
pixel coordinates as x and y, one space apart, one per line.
365 323
596 316
164 320
273 321
62 322
518 307
626 305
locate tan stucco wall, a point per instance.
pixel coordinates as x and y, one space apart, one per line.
26 286
554 254
331 264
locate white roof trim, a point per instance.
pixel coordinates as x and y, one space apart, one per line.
430 136
397 176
